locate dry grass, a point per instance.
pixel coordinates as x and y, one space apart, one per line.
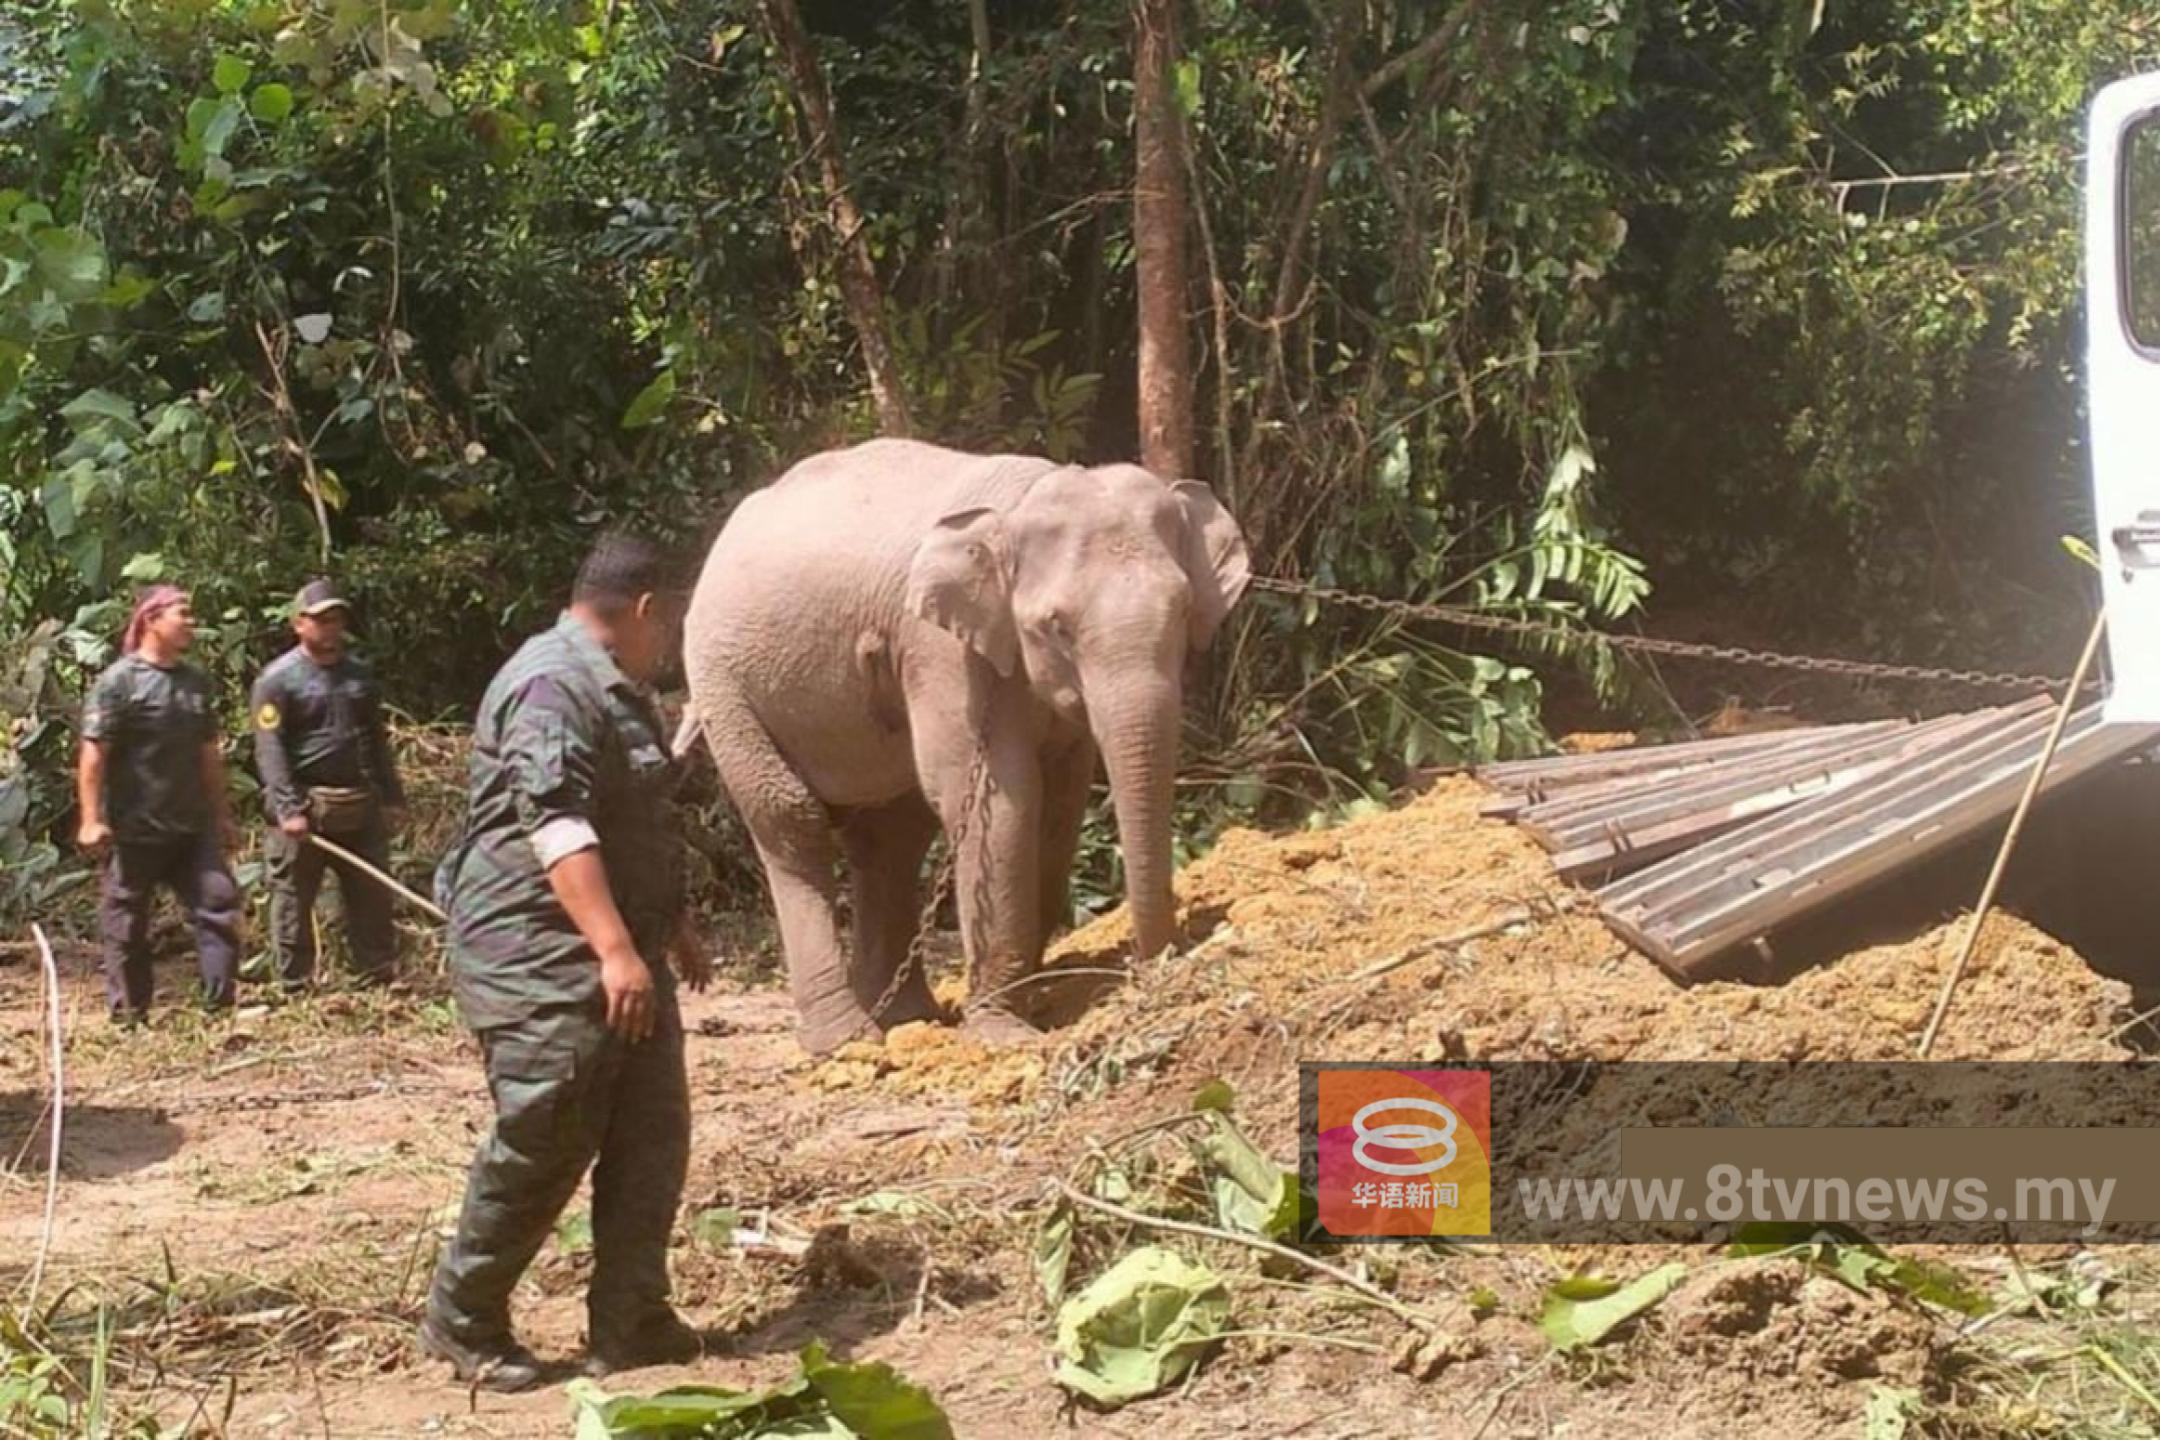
2073 1351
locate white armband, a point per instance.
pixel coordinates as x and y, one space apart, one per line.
561 838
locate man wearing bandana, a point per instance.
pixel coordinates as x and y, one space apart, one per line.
150 785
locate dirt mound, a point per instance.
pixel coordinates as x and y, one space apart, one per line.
926 1058
1765 1319
1766 1345
1333 942
1430 932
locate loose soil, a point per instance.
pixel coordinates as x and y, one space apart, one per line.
263 1198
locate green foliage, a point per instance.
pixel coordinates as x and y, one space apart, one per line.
1252 1193
47 1393
1581 1310
1859 1264
35 674
1139 1326
1890 1412
426 292
864 1401
1054 1252
1859 258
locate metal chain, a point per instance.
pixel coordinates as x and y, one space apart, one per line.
278 1099
1649 645
917 957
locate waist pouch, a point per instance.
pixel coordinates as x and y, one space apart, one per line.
340 809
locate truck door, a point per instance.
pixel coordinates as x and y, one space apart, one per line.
2122 299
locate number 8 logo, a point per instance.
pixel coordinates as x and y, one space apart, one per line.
1403 1137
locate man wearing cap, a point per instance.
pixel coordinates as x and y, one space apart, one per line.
323 752
565 895
150 785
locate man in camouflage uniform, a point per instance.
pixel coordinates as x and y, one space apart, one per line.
565 895
324 756
150 785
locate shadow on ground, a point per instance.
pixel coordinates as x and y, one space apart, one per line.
97 1142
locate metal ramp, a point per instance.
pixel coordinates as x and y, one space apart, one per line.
1713 844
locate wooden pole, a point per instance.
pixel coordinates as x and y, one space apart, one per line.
2010 837
351 859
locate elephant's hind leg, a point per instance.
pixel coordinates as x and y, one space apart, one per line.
793 831
885 848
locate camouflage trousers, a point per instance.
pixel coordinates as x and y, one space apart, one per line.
570 1095
295 870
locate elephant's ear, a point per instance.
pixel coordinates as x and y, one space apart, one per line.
1215 560
961 580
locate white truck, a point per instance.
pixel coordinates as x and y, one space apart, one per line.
2122 322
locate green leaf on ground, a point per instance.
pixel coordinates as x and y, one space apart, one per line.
1890 1413
872 1400
69 263
1859 1263
1571 1323
1214 1095
844 1401
1252 1193
715 1227
1053 1252
1139 1326
894 1202
1583 1287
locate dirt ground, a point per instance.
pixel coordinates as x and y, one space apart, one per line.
261 1200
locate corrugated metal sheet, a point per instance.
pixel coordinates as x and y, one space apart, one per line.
1720 842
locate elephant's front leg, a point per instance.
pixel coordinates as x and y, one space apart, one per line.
986 786
1068 776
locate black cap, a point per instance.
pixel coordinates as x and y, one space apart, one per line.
318 597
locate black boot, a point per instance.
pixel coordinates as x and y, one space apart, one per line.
663 1338
499 1364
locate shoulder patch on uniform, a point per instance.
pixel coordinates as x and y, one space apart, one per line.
267 716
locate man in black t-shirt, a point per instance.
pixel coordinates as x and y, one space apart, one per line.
324 755
151 786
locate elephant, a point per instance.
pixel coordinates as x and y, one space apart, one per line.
886 623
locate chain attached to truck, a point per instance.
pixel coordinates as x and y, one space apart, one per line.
1651 645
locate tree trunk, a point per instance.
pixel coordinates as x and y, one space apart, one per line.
1166 445
858 276
966 227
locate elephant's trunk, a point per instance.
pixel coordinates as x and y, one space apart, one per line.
1138 737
